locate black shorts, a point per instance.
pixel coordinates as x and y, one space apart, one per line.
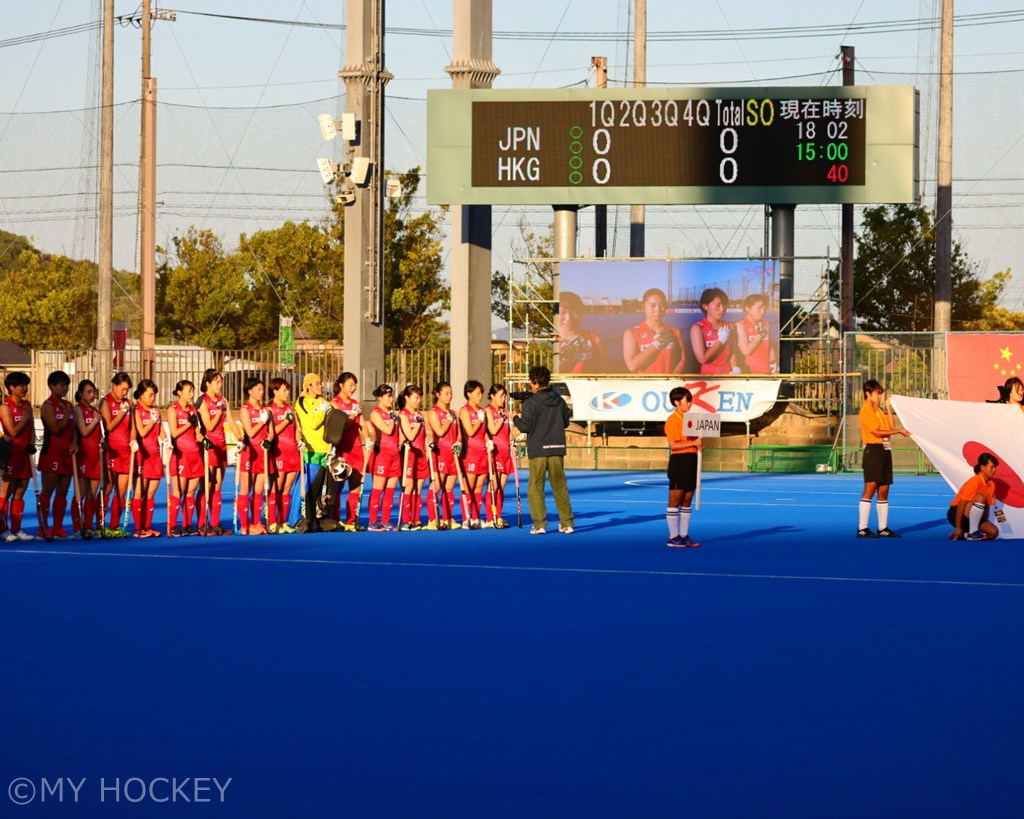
682 471
877 464
951 517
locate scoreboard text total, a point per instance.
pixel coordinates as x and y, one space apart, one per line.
676 143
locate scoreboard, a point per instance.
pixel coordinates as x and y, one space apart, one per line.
848 144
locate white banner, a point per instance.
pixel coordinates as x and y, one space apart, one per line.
954 433
610 399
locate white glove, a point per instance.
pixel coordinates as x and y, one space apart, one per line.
368 443
239 445
773 368
520 438
302 446
489 445
724 332
264 416
736 371
133 446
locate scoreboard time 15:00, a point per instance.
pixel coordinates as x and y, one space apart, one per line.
669 142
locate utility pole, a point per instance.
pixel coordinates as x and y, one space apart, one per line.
147 195
600 65
637 213
944 190
105 270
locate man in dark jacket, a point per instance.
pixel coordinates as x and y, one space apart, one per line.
544 418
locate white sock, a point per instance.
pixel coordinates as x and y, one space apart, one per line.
975 515
684 520
882 508
672 518
864 513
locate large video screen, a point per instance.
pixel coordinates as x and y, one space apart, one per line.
711 317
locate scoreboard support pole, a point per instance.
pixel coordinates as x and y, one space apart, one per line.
783 244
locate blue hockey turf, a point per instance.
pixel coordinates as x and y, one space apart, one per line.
783 669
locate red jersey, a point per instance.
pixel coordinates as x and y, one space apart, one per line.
758 361
501 437
386 442
417 424
120 436
452 435
476 441
285 441
670 355
57 444
149 443
217 409
89 444
254 415
27 436
351 444
186 443
719 365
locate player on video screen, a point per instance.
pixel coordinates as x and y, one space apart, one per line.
578 350
753 337
710 336
652 346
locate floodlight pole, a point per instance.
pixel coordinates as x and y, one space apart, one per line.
147 204
944 189
783 243
846 289
105 267
470 317
638 213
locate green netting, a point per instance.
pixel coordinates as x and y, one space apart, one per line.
815 458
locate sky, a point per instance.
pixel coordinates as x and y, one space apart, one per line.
238 137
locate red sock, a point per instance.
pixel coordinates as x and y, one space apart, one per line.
353 507
76 516
406 507
431 505
447 502
60 506
137 514
499 500
417 505
190 507
257 508
150 508
242 505
88 510
172 512
285 508
387 504
272 508
17 513
374 504
215 504
3 514
200 502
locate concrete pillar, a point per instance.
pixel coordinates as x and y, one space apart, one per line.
365 76
471 67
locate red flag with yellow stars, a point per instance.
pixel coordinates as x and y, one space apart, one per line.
979 362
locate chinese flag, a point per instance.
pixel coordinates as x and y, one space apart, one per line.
978 363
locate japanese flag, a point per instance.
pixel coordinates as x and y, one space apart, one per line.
954 433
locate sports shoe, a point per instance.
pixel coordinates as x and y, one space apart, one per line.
501 523
536 531
454 525
155 533
887 532
59 533
177 531
285 529
975 536
10 537
865 533
408 527
376 527
76 535
432 524
487 524
257 529
566 530
676 542
23 535
690 543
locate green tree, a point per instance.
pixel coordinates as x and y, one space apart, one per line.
415 293
207 296
532 285
894 274
49 302
298 270
11 248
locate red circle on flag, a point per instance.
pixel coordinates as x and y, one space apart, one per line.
1009 486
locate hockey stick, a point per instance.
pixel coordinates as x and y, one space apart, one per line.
406 446
301 525
40 517
238 483
207 487
491 474
462 488
513 449
82 528
435 492
130 494
266 486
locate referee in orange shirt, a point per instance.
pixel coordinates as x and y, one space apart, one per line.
682 472
877 428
